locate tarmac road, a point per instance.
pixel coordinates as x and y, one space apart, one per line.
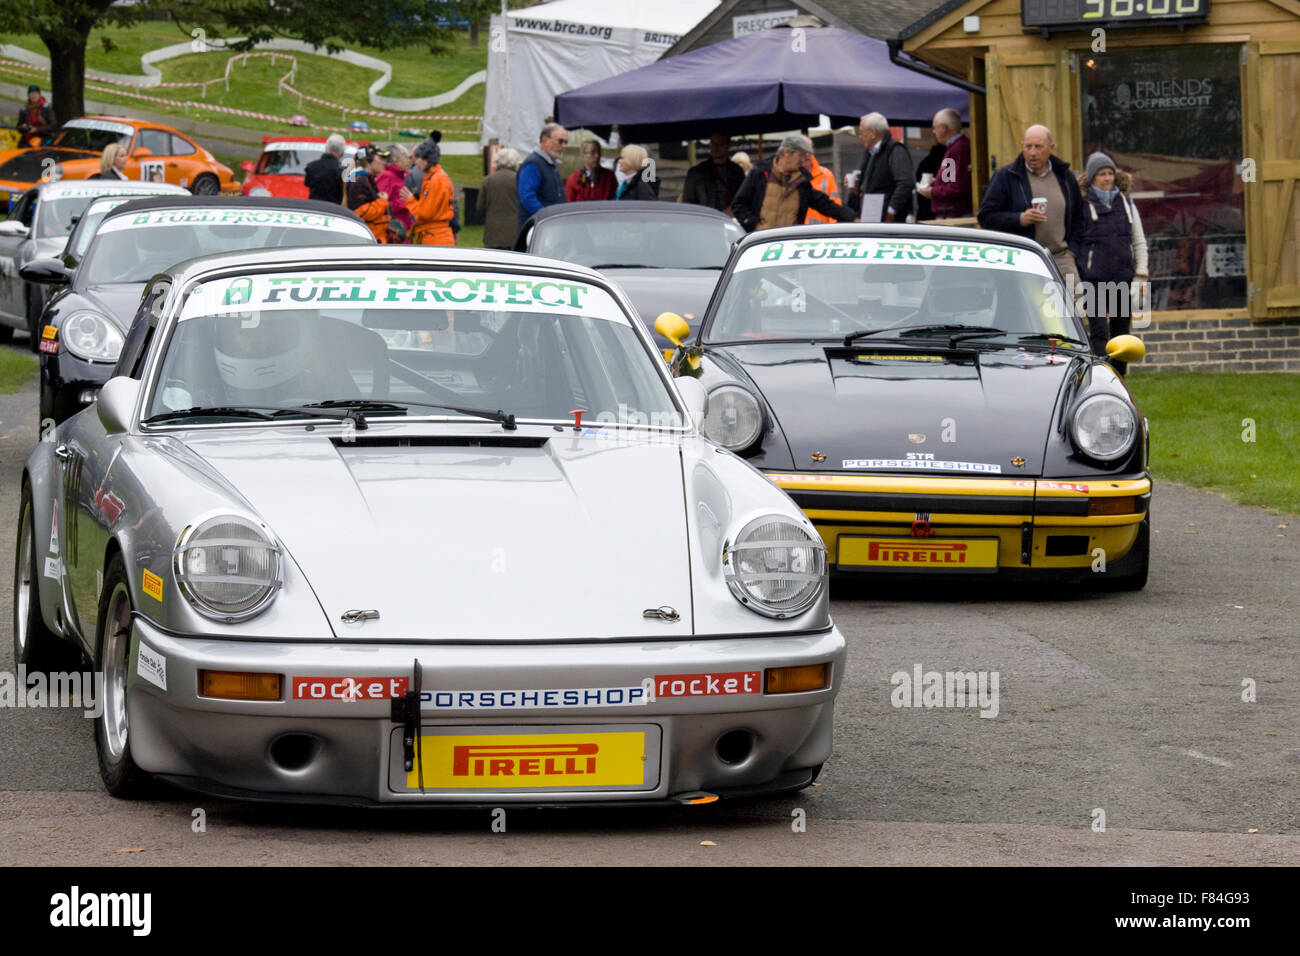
1119 710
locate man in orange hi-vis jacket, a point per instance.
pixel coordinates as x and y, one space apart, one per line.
823 180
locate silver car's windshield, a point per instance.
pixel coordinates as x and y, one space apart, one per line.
535 347
887 286
647 241
133 248
58 216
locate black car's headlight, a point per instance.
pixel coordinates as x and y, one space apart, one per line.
1104 427
227 567
91 336
732 417
775 567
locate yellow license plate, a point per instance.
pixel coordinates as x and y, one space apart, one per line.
533 761
919 554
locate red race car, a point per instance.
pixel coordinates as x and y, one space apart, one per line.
284 159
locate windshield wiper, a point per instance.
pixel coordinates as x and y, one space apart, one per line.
201 411
1050 336
506 420
903 330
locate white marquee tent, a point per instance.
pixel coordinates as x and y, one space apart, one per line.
548 49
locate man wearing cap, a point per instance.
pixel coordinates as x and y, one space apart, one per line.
779 193
323 177
35 118
364 197
539 179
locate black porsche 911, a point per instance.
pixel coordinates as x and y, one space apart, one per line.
928 397
85 322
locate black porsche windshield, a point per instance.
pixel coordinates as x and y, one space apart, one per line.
648 241
135 247
534 347
94 135
887 286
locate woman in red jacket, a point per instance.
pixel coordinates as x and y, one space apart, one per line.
434 208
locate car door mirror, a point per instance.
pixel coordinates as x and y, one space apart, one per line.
695 397
672 327
247 166
117 403
12 227
46 272
141 152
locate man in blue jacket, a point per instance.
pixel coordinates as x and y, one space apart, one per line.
1055 221
539 181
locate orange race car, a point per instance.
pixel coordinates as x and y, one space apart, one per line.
156 153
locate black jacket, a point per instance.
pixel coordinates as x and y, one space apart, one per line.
748 204
1009 194
639 188
324 179
890 174
710 184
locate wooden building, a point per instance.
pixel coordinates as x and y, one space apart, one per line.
1198 99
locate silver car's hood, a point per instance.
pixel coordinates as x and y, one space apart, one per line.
547 537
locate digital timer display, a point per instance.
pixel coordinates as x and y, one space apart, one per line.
1090 13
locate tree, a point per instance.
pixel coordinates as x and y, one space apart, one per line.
64 27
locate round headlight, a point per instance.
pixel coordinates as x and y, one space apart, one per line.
1104 427
227 567
259 191
90 336
732 417
775 567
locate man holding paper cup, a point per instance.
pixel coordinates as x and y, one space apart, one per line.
1036 197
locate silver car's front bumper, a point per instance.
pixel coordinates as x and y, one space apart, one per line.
335 740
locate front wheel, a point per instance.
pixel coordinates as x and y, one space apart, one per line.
35 307
36 647
122 778
206 185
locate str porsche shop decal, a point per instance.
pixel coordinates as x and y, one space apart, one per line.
920 463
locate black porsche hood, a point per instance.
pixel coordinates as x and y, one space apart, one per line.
910 409
117 301
29 165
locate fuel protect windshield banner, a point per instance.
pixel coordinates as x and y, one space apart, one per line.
406 290
893 251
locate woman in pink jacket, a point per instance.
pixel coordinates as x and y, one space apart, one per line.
391 181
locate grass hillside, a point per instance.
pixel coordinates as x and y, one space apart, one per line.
253 84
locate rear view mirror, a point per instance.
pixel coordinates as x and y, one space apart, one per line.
672 327
1126 348
142 152
956 299
886 273
246 166
12 227
117 403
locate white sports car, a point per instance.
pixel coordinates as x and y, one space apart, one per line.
364 525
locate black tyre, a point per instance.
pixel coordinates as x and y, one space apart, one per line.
206 185
122 778
1129 573
6 333
57 405
36 647
35 306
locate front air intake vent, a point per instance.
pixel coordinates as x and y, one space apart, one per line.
439 441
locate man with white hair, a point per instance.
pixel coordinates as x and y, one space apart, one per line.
539 179
950 193
885 170
779 192
324 177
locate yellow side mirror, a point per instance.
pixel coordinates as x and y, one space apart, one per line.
1126 348
672 327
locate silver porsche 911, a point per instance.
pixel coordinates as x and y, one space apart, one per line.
360 525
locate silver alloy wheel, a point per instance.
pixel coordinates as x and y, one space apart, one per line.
115 660
23 580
